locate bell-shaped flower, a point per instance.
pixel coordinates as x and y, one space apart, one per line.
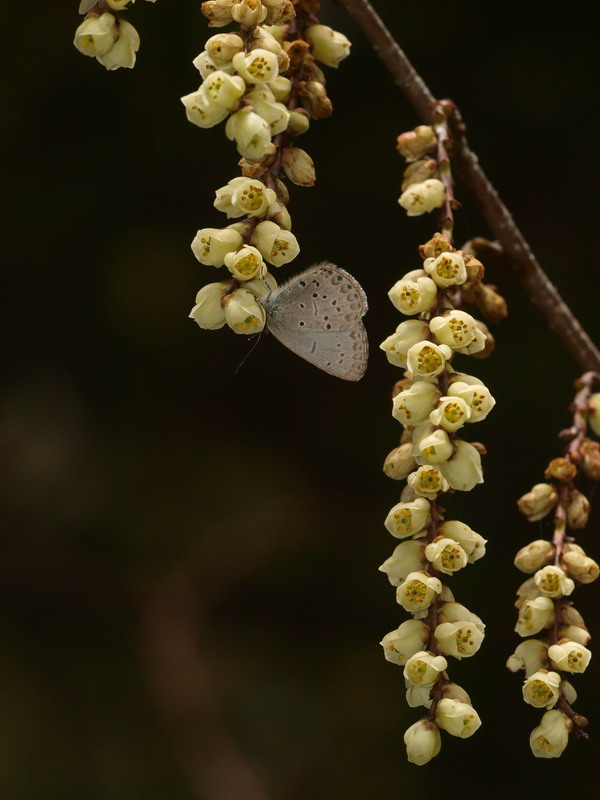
426 359
448 269
327 46
244 196
428 482
424 668
122 53
472 543
569 656
407 557
456 612
96 35
218 12
457 719
408 519
542 689
413 296
535 614
576 633
579 566
418 591
463 470
408 639
251 132
208 312
211 245
552 582
413 405
277 245
206 66
551 737
420 198
433 447
399 462
423 742
450 414
245 264
244 313
222 89
200 111
222 47
480 341
399 343
538 502
531 656
458 639
534 555
418 695
275 114
257 66
454 328
475 395
446 555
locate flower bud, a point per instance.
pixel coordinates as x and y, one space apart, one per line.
399 462
458 639
463 469
314 99
542 689
299 121
579 566
457 719
407 557
446 555
550 739
570 616
590 458
279 214
96 35
576 633
535 614
456 692
450 414
426 360
328 46
298 166
276 245
560 469
531 655
122 53
264 39
244 313
534 555
400 645
415 144
420 198
245 264
538 502
248 12
414 405
419 171
552 582
281 88
418 591
423 742
475 395
569 656
413 296
208 312
578 510
427 482
278 11
472 543
399 343
218 12
594 413
408 519
263 103
251 132
222 47
211 245
424 668
448 269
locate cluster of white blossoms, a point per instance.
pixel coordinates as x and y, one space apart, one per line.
546 611
435 404
105 35
264 81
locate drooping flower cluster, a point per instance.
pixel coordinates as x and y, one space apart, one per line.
435 404
106 35
557 567
265 82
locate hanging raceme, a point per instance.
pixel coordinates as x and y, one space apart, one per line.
106 35
264 80
558 567
434 402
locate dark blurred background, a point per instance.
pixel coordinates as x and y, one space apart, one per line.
190 600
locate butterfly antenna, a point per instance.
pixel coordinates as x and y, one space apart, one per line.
248 354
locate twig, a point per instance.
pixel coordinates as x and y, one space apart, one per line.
543 294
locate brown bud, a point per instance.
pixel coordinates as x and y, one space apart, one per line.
419 171
538 502
400 462
456 692
490 342
314 99
590 458
217 12
580 567
534 556
474 267
252 169
491 304
570 616
277 14
414 144
298 166
435 247
561 470
578 510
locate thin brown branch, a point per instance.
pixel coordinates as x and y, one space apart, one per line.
543 294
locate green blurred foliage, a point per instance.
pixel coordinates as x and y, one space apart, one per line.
145 480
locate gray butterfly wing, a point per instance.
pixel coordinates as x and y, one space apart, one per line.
317 315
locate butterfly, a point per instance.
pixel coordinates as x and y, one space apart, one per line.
317 315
